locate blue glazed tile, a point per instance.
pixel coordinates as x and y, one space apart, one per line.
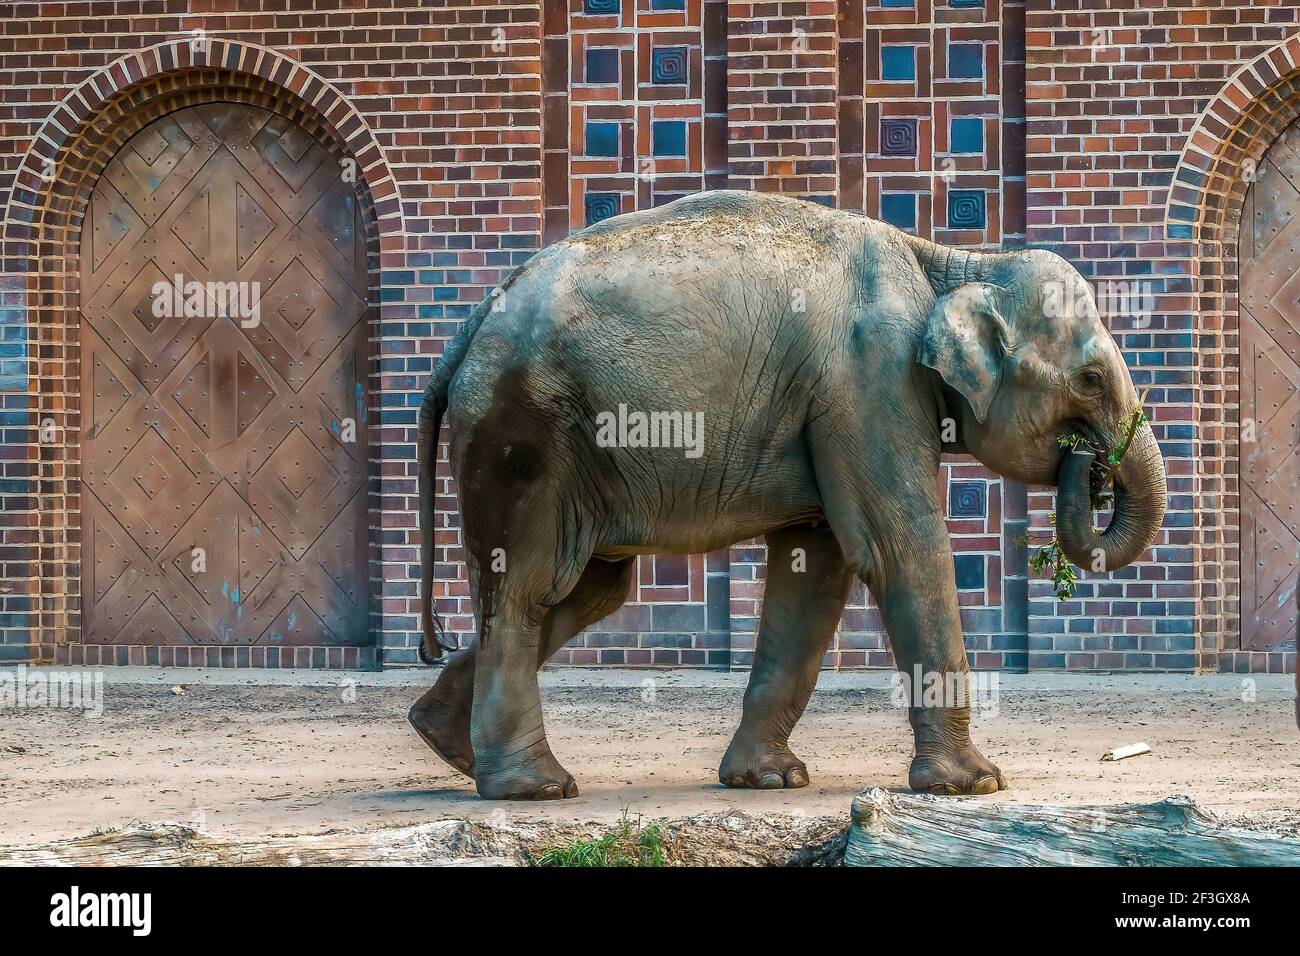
898 137
601 66
599 7
966 135
898 63
668 138
601 139
966 61
969 571
668 65
965 209
899 209
598 206
967 499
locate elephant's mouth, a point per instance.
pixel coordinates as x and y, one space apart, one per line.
1138 493
1100 480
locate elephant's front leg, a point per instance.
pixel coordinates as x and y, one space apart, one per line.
808 582
920 609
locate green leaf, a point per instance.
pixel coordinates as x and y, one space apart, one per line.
1049 560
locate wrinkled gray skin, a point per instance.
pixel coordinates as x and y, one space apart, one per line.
823 431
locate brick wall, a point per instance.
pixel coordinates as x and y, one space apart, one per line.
1113 91
505 125
781 105
452 96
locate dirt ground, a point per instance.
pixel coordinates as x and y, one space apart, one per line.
240 755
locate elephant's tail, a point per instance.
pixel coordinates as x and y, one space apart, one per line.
432 407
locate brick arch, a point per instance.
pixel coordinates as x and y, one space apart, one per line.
1239 123
1203 213
106 98
41 240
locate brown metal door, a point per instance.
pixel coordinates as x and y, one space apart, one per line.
224 432
1270 399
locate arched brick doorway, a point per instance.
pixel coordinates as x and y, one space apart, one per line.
1269 250
223 374
42 243
1207 210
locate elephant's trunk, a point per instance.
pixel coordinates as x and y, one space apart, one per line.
1140 495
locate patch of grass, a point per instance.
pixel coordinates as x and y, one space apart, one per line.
630 844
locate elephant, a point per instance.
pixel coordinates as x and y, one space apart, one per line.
831 359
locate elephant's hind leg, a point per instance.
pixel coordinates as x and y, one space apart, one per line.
442 715
512 758
808 582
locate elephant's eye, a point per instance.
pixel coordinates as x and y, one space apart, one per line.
1091 380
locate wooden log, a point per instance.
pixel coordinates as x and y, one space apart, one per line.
444 843
907 829
708 839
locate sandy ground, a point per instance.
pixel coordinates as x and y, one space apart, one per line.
240 755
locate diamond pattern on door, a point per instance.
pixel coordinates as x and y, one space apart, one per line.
238 590
1270 399
129 595
307 309
224 453
160 161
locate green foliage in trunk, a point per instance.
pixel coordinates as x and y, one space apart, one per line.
1050 561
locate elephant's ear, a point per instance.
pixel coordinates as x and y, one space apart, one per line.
965 341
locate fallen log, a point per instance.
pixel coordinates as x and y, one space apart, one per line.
709 839
888 829
906 829
444 843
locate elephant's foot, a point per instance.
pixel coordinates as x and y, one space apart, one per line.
946 761
962 770
761 765
528 783
530 773
441 718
